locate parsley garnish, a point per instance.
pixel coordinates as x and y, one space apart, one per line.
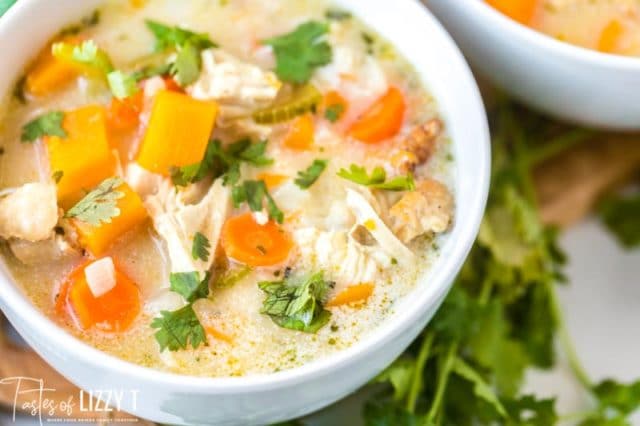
253 192
219 161
100 205
188 44
297 302
201 247
179 329
333 113
308 177
300 52
49 124
622 217
189 285
378 179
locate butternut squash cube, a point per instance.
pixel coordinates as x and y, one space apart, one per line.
84 157
49 74
178 132
98 239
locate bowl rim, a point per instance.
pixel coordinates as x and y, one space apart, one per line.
19 303
545 41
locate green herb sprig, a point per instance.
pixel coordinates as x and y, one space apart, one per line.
377 179
100 205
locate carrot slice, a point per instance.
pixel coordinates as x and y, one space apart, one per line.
114 311
334 101
248 242
217 334
272 180
353 294
98 239
522 11
382 120
124 114
610 37
300 135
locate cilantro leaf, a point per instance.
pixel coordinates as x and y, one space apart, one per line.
481 389
189 285
100 205
623 398
400 375
253 192
57 176
186 68
175 37
298 53
621 215
337 14
88 53
333 113
308 177
201 247
49 124
122 85
529 411
179 329
377 179
297 303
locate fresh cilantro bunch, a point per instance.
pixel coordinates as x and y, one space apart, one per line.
297 302
502 315
622 216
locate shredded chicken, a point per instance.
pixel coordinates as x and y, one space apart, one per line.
142 181
417 147
337 252
178 216
29 213
427 209
239 88
367 216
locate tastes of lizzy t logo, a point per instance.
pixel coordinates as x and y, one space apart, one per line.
32 397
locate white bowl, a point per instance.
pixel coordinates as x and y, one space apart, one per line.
175 399
566 81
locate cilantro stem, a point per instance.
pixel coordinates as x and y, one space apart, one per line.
416 383
558 145
566 341
485 291
443 379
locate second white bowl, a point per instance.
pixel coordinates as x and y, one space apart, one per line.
566 81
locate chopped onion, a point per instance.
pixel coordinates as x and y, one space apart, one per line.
101 276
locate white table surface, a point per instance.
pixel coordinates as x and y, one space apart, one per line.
602 305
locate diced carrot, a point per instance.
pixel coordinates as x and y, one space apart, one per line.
272 180
382 120
248 242
333 99
98 239
84 158
49 74
300 134
178 132
522 11
124 114
114 311
610 37
217 334
353 294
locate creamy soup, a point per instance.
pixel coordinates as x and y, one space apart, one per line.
221 188
610 26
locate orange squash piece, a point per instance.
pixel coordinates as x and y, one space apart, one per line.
382 120
522 11
248 242
49 74
334 99
84 156
114 311
272 180
353 294
98 239
124 114
610 37
300 134
178 132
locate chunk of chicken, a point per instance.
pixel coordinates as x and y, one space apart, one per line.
177 217
142 181
417 147
29 213
337 252
427 209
